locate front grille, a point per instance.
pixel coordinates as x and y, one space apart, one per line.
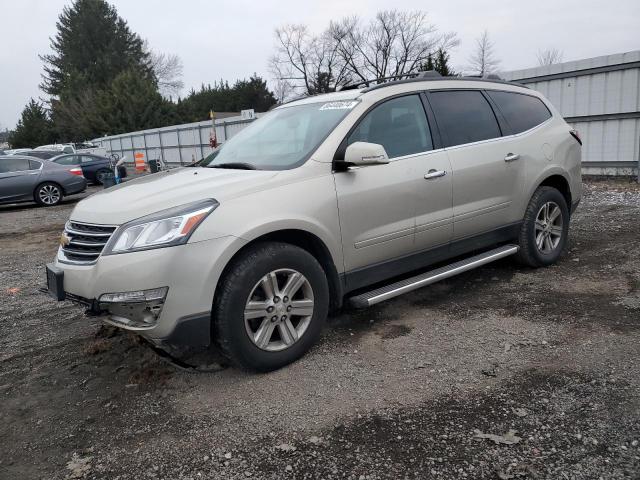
86 241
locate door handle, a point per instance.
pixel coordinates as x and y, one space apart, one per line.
433 173
511 157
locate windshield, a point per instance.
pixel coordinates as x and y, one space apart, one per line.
282 139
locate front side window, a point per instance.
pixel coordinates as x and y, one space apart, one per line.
399 125
521 111
282 139
465 116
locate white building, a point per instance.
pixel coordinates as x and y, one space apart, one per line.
600 97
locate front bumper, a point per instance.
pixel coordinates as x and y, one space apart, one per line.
191 273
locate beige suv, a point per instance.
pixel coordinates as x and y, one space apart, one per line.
344 197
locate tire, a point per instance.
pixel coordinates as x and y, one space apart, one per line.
248 279
48 194
99 174
542 238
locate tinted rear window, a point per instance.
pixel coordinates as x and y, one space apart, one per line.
465 116
67 160
521 111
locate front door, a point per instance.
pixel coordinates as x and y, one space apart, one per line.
378 205
17 178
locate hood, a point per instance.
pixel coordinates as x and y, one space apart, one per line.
172 188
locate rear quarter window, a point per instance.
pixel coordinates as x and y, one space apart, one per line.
522 112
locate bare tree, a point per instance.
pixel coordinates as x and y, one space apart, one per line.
167 68
393 43
483 60
549 56
283 90
306 62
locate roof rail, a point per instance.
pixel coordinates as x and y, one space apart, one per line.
436 78
367 83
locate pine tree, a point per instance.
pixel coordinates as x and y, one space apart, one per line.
34 127
90 49
442 64
132 103
429 65
221 97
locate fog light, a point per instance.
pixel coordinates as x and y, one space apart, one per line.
135 296
137 310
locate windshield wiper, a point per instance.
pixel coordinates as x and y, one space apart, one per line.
234 165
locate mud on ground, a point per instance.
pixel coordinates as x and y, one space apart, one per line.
503 372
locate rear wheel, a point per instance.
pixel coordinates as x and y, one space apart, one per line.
545 230
101 174
271 306
48 194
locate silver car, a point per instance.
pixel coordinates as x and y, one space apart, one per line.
26 179
344 197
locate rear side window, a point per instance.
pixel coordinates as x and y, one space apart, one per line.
68 160
399 125
465 116
13 165
521 111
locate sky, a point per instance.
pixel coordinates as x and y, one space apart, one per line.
233 39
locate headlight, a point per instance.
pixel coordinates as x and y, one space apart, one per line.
163 229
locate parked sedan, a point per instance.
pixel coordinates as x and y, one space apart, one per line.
94 167
25 179
42 154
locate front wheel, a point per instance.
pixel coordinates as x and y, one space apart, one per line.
270 306
545 230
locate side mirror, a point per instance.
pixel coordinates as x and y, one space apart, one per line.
364 153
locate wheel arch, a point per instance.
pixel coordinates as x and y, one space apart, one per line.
554 177
306 241
560 183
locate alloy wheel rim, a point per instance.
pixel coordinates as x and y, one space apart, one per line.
49 194
278 310
548 227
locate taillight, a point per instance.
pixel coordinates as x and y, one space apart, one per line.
575 134
76 171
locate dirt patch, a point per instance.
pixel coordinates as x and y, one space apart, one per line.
399 390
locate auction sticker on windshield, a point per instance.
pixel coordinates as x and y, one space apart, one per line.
341 105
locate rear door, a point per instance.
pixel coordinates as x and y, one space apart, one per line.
90 165
18 178
487 173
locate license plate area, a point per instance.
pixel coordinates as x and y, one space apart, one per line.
55 282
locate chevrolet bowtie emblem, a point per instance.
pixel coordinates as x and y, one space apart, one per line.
65 239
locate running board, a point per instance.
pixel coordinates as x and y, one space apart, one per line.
403 286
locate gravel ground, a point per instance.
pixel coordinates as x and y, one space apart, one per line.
503 372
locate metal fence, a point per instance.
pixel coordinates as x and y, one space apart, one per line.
174 145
